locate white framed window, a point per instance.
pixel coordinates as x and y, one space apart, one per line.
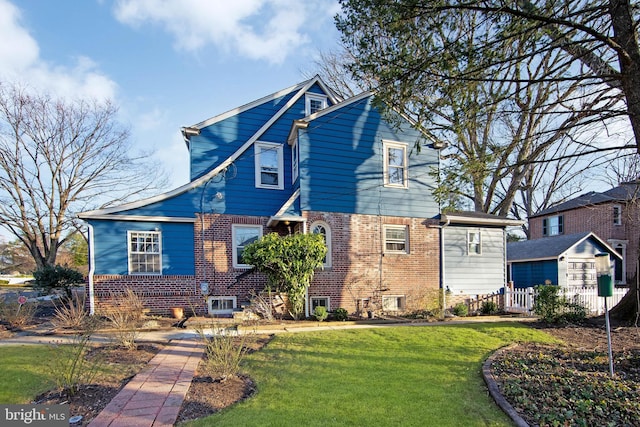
396 239
474 243
144 252
393 302
553 226
617 215
321 227
620 266
395 164
242 235
269 165
295 158
222 304
314 102
319 301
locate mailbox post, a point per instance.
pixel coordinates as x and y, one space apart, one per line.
605 290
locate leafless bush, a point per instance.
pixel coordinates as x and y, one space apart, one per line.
71 313
17 315
224 350
126 314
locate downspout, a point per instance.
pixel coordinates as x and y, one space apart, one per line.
442 266
92 267
306 290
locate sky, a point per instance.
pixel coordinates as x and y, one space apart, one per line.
165 63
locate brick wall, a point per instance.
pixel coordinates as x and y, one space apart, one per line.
360 269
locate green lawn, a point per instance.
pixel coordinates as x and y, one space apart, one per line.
25 373
398 376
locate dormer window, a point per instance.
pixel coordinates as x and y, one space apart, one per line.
314 102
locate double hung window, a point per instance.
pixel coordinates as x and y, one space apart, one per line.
269 165
145 252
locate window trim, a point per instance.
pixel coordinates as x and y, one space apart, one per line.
617 214
295 160
327 263
400 307
546 226
130 233
210 300
386 227
234 247
469 242
258 147
311 298
308 97
386 145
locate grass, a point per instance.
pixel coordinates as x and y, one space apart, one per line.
401 376
25 373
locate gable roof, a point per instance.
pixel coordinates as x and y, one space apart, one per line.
624 192
300 89
551 247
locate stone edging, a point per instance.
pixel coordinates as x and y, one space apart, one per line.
494 391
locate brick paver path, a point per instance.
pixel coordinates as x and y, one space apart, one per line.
154 396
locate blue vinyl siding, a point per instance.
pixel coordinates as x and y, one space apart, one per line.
110 246
527 274
474 274
219 140
341 165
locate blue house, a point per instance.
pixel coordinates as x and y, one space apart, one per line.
298 160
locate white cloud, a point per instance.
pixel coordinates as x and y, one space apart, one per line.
20 62
258 29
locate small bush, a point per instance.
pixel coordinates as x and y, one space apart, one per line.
223 351
126 315
17 315
70 366
320 313
552 307
340 314
489 307
50 278
71 314
461 309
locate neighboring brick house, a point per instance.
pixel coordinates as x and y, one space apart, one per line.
612 215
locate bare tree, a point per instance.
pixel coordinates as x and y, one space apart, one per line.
57 158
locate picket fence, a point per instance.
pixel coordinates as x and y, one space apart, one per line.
522 300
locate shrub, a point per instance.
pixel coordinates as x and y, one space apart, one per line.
17 315
223 351
489 307
461 309
70 366
340 314
126 315
552 307
320 313
71 314
50 278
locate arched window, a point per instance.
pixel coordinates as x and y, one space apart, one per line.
321 227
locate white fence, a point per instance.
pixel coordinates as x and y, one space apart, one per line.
521 300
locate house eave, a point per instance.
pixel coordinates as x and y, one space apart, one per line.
286 220
458 219
137 218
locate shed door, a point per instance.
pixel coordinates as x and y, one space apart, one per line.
581 273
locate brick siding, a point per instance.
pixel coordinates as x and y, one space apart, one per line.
359 270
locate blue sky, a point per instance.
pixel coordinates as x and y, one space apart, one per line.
165 63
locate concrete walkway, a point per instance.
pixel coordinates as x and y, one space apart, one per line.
154 396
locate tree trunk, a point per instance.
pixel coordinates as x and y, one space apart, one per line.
627 309
629 59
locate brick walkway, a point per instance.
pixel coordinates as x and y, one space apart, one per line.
154 396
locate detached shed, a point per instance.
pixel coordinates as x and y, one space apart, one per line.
566 260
